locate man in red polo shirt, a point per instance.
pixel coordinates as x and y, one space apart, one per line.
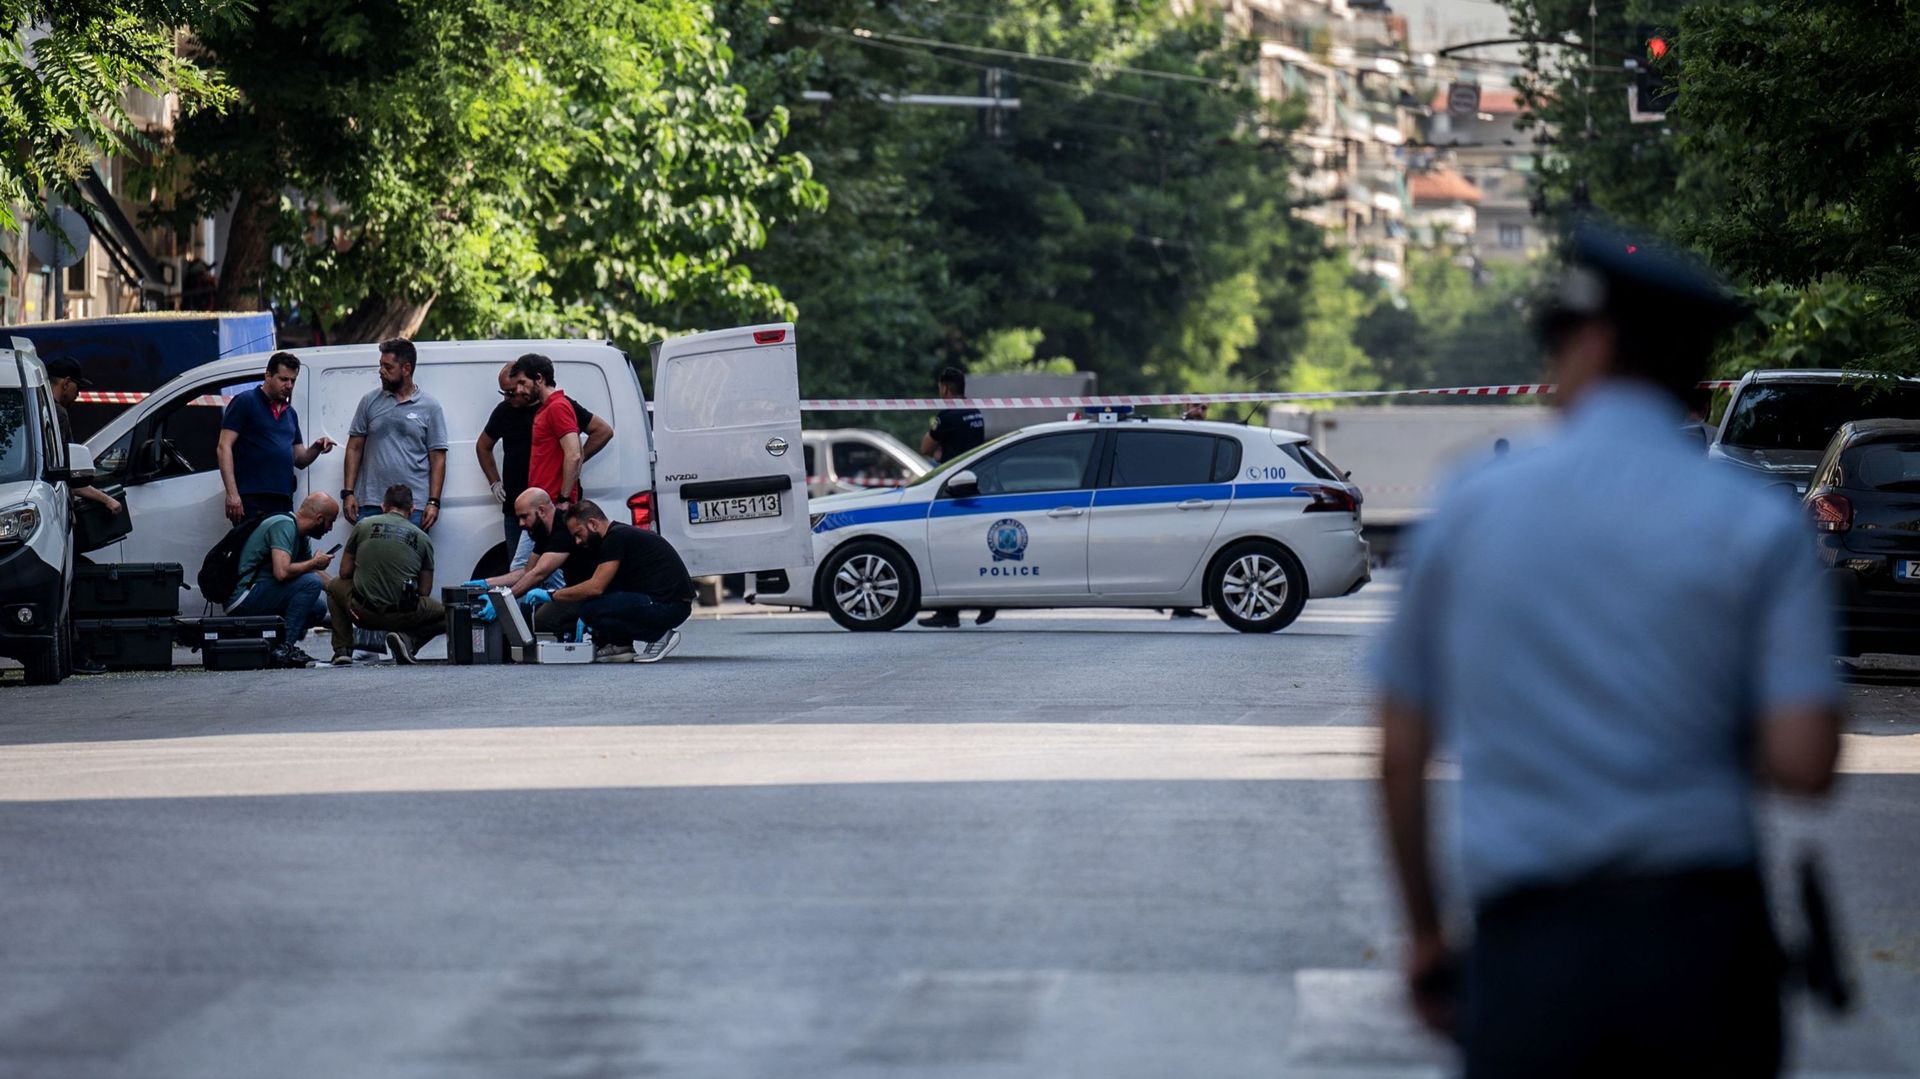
554 462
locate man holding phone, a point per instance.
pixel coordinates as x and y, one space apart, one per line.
280 574
386 582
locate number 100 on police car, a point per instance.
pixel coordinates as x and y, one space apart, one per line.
703 511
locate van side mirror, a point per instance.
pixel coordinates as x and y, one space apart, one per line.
963 484
80 461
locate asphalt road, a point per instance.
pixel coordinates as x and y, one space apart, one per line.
1062 845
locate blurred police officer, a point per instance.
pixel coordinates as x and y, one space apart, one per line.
955 431
1619 643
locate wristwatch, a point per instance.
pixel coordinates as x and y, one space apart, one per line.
433 502
348 493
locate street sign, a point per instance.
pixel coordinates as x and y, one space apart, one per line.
65 245
1463 99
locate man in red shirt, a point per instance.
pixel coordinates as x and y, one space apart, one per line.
554 462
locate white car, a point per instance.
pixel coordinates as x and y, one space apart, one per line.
712 472
848 459
36 534
1127 513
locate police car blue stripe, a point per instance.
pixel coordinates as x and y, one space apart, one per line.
1271 490
906 511
1047 500
1146 496
1082 499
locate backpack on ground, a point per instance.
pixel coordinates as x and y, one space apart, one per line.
220 570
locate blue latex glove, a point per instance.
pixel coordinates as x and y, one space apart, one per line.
486 613
474 584
580 629
536 597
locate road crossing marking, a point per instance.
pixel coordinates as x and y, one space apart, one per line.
681 756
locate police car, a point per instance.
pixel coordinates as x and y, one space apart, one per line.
1109 511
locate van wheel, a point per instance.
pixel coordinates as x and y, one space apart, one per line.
492 564
1257 586
49 665
868 585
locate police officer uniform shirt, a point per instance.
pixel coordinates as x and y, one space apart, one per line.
1593 625
957 430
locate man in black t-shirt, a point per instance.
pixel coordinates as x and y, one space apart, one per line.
553 558
511 425
639 590
955 431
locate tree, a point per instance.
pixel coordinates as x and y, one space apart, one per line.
65 66
1787 159
1136 225
486 167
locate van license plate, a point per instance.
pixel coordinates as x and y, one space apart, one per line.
703 511
1909 571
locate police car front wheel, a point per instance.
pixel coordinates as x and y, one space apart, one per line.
868 585
1257 587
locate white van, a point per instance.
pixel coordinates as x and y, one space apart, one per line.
36 534
728 412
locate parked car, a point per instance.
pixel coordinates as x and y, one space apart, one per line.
849 459
712 472
36 521
1130 513
1780 422
1865 506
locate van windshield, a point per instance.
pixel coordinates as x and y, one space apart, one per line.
16 442
1804 415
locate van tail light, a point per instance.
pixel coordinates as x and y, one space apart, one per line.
641 507
769 337
1831 513
1331 500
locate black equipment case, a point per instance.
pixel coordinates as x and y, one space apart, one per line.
127 644
127 589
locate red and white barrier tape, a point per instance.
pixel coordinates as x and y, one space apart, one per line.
890 404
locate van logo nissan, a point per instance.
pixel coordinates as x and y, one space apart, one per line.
777 446
682 477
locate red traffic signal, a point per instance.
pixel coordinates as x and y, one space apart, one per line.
1656 47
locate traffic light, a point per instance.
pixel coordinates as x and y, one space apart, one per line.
1656 75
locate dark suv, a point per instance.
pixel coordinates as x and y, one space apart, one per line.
1780 422
1864 502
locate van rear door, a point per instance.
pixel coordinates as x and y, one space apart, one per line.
732 487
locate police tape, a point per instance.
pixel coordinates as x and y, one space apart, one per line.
1125 400
1139 400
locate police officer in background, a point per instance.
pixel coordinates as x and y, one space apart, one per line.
1619 643
955 431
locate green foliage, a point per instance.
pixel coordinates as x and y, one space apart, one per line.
1133 226
62 88
1788 159
486 167
1452 324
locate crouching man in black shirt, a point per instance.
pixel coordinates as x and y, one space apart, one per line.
639 590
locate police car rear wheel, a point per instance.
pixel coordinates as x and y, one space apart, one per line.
871 586
1258 587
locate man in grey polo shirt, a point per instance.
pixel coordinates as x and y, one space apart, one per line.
1619 642
398 435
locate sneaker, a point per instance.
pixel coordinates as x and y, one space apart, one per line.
942 620
399 647
87 666
343 659
986 615
658 650
613 653
1186 612
293 657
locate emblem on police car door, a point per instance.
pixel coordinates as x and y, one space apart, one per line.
777 446
1007 540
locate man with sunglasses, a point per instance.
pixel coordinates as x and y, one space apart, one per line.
511 426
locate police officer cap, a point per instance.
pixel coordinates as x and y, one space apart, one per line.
1630 279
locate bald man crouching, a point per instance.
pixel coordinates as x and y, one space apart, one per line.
554 558
280 574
